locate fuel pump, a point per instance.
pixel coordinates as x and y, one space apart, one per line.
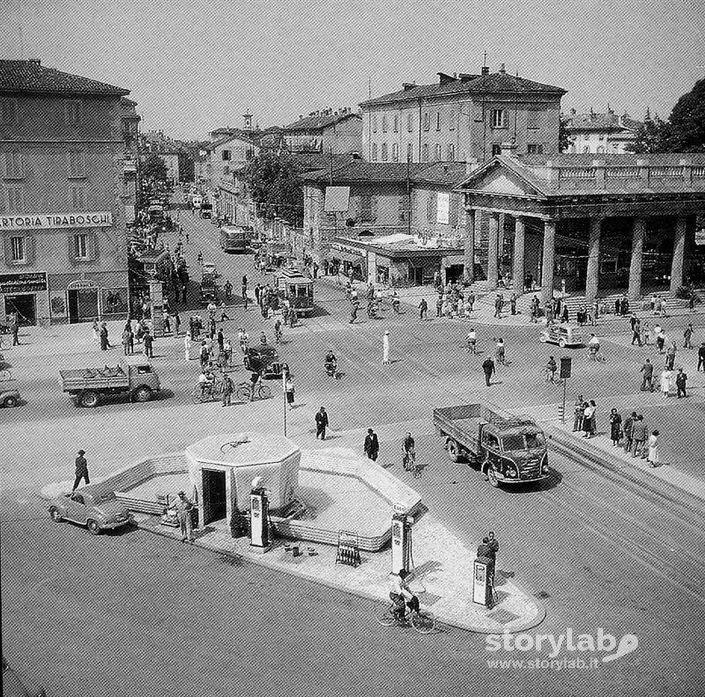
259 516
401 541
482 582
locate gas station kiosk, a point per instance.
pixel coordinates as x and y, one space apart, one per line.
401 540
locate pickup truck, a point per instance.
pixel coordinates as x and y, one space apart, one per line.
509 449
134 375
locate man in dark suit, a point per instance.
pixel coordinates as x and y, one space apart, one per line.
321 423
81 470
489 369
371 444
681 380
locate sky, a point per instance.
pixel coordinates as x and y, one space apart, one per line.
193 66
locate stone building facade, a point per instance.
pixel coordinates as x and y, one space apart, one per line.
462 117
67 187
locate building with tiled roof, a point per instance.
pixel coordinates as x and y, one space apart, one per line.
600 133
460 118
325 131
68 185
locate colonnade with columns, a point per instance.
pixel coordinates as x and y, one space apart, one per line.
549 252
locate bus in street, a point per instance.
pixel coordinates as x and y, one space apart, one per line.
292 285
233 238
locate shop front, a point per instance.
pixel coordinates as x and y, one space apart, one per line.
24 295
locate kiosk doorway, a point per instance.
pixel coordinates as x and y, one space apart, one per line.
214 506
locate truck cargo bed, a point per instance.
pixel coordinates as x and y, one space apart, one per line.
92 379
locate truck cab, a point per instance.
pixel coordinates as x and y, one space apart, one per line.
512 454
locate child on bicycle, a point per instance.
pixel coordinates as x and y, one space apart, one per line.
401 595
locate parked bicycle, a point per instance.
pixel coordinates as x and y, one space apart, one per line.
207 392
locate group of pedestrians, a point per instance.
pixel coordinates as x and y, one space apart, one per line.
585 417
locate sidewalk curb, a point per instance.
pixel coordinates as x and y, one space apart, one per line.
262 561
597 461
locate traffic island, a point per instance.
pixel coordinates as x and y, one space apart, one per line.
337 534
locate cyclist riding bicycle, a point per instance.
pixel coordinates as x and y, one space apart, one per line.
593 345
401 595
472 341
408 449
206 380
331 363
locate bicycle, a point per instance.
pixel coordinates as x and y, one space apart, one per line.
244 391
409 462
207 393
423 621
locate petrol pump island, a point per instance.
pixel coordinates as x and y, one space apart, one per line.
327 515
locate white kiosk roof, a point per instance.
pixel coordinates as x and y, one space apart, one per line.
242 449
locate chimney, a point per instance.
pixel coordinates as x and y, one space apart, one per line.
501 69
485 70
35 61
408 86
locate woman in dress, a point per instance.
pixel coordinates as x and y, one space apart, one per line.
289 389
499 352
654 458
588 416
187 346
665 382
593 419
615 426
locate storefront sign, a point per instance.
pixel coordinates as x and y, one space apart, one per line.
53 221
443 207
15 283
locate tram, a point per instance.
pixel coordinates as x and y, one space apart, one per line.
292 285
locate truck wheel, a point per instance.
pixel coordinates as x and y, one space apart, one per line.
453 451
55 514
93 527
492 476
89 399
10 401
142 394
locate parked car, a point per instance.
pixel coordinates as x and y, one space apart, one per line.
97 512
9 398
16 684
562 334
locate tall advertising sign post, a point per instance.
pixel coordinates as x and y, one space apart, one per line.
566 363
259 517
401 540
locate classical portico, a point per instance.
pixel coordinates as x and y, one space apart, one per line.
596 224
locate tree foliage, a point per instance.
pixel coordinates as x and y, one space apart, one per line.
650 137
154 168
686 124
274 183
564 139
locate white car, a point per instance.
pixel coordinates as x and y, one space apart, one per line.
562 334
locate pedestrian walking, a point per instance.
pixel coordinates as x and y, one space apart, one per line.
701 356
15 330
681 381
439 306
290 391
647 383
636 331
81 470
665 382
371 445
177 323
654 457
498 304
96 330
471 341
385 348
645 333
578 413
227 386
423 309
126 341
687 336
671 356
551 368
615 426
148 340
321 423
488 368
187 346
499 351
183 508
104 344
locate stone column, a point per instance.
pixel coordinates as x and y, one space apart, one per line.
638 235
593 261
518 266
469 249
549 257
492 250
678 254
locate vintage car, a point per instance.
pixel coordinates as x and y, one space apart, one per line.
209 268
265 360
97 512
561 334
